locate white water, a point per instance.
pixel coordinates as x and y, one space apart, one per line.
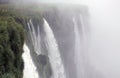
34 37
78 58
77 49
54 53
29 69
80 47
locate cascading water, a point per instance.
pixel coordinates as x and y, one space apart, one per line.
53 53
52 47
34 37
79 48
29 69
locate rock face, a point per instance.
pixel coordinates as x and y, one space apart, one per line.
45 67
42 59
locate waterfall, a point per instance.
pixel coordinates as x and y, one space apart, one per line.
29 69
51 46
35 38
79 55
54 53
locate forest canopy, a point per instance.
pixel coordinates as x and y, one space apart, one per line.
11 46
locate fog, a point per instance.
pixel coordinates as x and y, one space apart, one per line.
104 48
50 1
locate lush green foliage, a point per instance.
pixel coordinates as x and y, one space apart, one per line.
11 46
12 22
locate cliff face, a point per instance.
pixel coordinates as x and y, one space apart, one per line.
11 46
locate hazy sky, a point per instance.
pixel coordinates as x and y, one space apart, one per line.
105 36
53 1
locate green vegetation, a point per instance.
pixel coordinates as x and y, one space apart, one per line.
12 24
11 45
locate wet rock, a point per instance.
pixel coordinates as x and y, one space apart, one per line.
42 59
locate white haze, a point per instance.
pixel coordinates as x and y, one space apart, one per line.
104 50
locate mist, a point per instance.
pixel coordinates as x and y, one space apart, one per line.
104 47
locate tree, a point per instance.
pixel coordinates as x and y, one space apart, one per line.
11 47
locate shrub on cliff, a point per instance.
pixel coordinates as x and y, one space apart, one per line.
11 48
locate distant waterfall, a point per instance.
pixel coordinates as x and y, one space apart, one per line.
29 69
34 37
53 53
79 55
